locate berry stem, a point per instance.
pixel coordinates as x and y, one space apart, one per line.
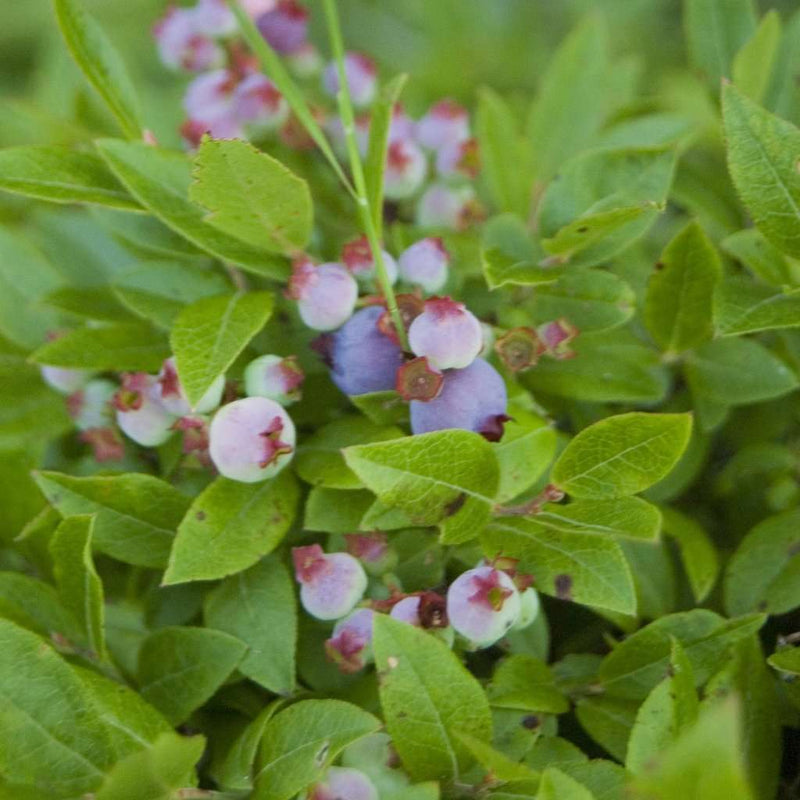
550 494
357 168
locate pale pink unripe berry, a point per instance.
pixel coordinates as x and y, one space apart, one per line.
362 78
442 206
458 158
251 440
65 380
90 407
259 105
350 645
210 105
529 609
330 583
401 125
357 257
326 295
425 264
306 61
285 26
482 605
445 122
173 397
140 413
276 377
406 169
214 18
448 335
335 130
407 610
372 550
183 45
343 783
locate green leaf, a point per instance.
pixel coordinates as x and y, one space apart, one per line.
335 511
557 785
764 572
587 568
180 668
762 158
160 179
499 767
319 459
383 408
609 721
136 514
590 299
737 372
524 453
761 257
510 257
79 585
427 696
678 306
35 605
301 742
525 683
683 769
742 306
573 98
669 710
622 455
602 181
231 525
634 668
119 346
258 606
627 517
42 700
504 153
589 229
786 660
155 772
97 303
251 196
101 64
62 175
606 369
448 477
209 334
754 63
696 549
375 162
715 30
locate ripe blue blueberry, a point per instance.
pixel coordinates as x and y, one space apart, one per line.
343 783
448 335
357 257
362 78
425 264
140 413
174 399
276 377
326 295
350 645
251 440
362 358
406 169
330 583
482 605
474 399
285 27
445 122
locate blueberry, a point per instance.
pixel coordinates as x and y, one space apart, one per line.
140 413
274 377
182 45
330 583
251 440
210 105
529 609
343 783
357 257
443 206
425 264
285 27
448 335
65 380
259 106
174 399
406 169
90 407
362 78
326 295
350 645
444 123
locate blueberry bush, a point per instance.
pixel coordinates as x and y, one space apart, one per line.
400 400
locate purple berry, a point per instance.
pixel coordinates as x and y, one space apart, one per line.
350 645
362 78
458 158
407 610
343 783
448 207
65 380
214 18
326 295
362 358
259 105
482 605
473 399
448 335
357 257
285 27
425 264
445 122
210 105
251 440
330 583
406 168
401 127
274 377
181 43
174 399
140 413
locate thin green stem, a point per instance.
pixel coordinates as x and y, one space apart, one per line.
357 169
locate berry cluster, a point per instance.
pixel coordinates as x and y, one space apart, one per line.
482 605
430 162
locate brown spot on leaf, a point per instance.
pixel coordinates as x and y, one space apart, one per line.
563 585
659 265
200 515
455 506
583 229
793 549
531 722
